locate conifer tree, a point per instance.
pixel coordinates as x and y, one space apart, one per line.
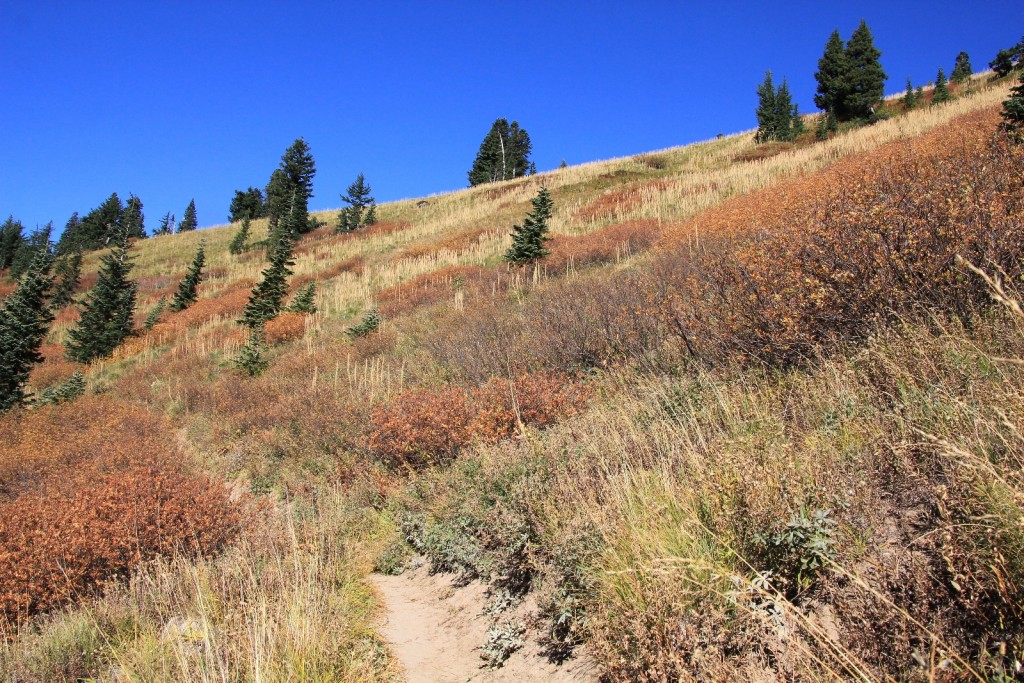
765 113
106 314
38 240
189 221
919 94
253 357
248 203
1002 65
166 225
504 154
153 317
1013 112
133 219
68 271
66 391
24 320
866 78
186 294
237 245
832 77
528 239
72 227
11 238
100 227
278 198
909 99
941 92
266 298
359 199
304 301
293 179
962 69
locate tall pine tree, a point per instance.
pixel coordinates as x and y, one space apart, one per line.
504 154
189 221
832 76
528 239
67 272
941 92
166 225
11 237
186 294
248 203
962 69
133 219
38 240
777 117
106 313
268 295
24 320
850 77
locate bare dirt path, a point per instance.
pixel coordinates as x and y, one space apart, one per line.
436 632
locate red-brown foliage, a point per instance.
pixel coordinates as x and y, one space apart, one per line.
619 201
422 426
54 368
89 491
354 264
432 287
454 243
286 327
602 246
6 287
228 303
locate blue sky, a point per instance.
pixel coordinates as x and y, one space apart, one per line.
175 100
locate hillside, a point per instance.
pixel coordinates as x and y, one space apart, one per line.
753 418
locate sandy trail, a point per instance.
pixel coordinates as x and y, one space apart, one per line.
436 630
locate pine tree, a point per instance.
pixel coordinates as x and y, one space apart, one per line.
909 99
133 219
153 317
97 229
166 225
370 322
186 294
299 168
941 92
304 301
765 113
278 199
267 296
919 94
1013 112
24 320
358 198
106 314
528 239
11 237
962 69
72 227
253 357
68 272
189 221
38 240
832 77
504 154
248 203
866 78
237 245
66 391
1002 65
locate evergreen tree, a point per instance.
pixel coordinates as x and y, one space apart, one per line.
134 220
98 228
24 320
528 239
909 99
153 317
777 117
370 322
358 198
305 300
237 245
941 92
66 391
765 112
278 198
38 240
106 314
1013 112
1002 65
294 178
68 272
189 221
267 296
11 237
253 357
166 225
832 77
866 77
248 203
504 154
186 294
72 227
962 69
919 94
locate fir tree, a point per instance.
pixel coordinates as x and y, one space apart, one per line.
832 76
1002 65
186 294
765 112
248 203
504 154
866 78
189 221
252 359
166 225
66 391
24 320
909 99
304 301
153 317
237 245
278 199
777 117
68 272
528 239
133 219
266 298
106 314
919 94
72 227
370 322
294 178
1013 112
38 240
97 229
11 237
941 92
962 69
358 198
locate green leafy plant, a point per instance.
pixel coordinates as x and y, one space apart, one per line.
502 640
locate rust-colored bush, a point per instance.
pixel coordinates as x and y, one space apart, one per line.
431 288
602 246
454 243
286 327
619 201
537 399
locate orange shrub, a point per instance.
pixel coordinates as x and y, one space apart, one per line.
602 246
228 303
54 368
6 287
455 243
536 399
285 327
430 288
619 201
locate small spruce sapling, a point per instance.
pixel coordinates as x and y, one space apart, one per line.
252 359
528 239
154 315
189 221
237 245
305 300
941 92
186 294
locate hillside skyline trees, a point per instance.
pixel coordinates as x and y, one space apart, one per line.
777 117
850 77
504 154
359 199
24 320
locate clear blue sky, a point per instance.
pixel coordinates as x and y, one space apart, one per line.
183 99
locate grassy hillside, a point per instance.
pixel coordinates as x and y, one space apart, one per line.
753 418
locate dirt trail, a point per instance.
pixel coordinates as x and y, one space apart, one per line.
436 631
